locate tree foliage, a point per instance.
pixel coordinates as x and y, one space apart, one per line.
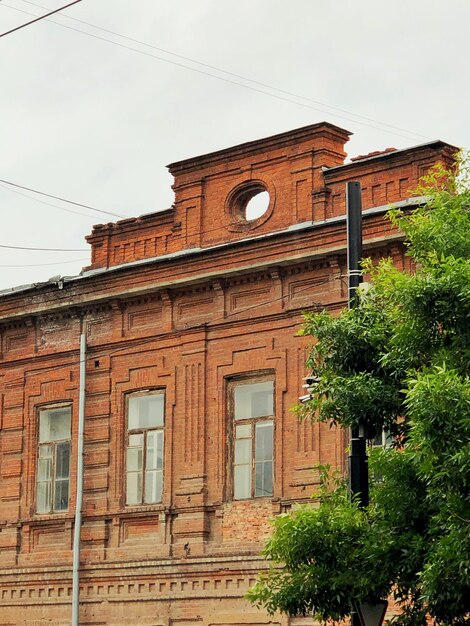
397 361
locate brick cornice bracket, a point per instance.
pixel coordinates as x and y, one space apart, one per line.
320 200
277 287
218 287
167 311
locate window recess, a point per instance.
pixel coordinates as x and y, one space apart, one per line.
144 456
252 416
53 468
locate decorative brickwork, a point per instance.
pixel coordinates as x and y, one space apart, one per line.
181 303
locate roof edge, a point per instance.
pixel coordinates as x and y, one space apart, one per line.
291 136
437 143
60 281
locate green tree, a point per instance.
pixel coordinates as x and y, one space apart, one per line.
397 361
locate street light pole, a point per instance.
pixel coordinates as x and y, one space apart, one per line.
358 475
358 471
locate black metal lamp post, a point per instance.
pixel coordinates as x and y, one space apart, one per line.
362 614
358 473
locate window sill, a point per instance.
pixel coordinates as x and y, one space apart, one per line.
53 516
144 508
255 499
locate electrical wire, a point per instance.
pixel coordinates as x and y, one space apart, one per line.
187 235
49 195
229 73
56 206
11 184
45 249
100 210
38 18
184 234
45 264
227 80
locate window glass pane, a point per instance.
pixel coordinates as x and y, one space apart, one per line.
242 451
153 486
264 441
155 409
136 441
62 463
243 431
146 411
264 479
133 419
61 502
45 452
253 400
387 438
383 438
44 469
159 436
134 488
151 452
43 497
44 426
242 482
154 450
134 459
54 424
377 441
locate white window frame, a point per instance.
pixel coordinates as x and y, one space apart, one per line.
142 473
251 427
382 440
51 460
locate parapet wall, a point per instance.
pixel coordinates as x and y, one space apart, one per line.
303 171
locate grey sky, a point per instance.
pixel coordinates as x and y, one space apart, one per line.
97 123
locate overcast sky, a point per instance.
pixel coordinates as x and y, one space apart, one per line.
96 122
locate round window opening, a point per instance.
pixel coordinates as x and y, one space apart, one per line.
250 203
257 206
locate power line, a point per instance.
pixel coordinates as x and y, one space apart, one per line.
49 195
234 82
229 73
45 249
41 17
46 264
56 206
186 234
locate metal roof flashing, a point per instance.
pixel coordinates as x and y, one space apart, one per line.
391 154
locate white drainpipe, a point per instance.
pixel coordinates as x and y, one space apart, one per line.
78 504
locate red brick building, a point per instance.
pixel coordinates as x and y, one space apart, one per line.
192 366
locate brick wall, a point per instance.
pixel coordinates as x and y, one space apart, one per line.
183 301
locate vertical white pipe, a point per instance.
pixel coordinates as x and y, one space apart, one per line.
79 499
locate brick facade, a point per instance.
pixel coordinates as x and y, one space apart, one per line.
183 302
